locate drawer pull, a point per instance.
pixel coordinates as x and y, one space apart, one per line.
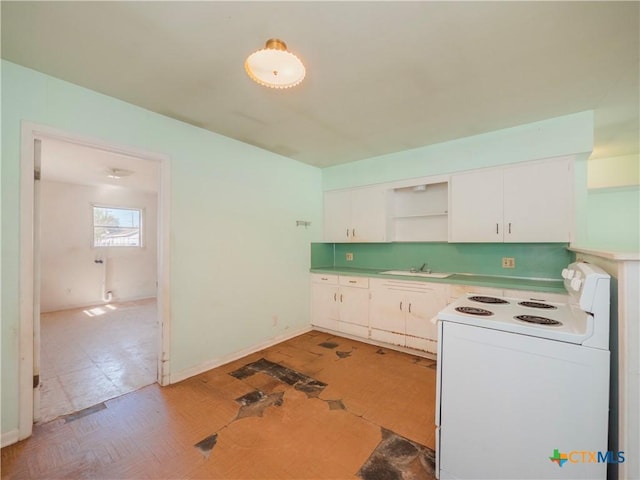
352 281
400 305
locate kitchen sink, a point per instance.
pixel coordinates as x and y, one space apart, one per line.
417 274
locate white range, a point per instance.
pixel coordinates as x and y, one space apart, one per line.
523 386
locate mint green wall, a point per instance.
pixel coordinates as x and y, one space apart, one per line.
611 216
540 260
613 219
559 136
233 223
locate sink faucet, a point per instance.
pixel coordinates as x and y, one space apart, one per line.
424 268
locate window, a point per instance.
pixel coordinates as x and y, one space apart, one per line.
117 227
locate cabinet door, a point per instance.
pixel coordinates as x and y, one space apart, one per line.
354 305
388 310
538 202
324 306
337 216
476 207
368 215
422 332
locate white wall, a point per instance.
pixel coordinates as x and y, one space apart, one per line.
70 276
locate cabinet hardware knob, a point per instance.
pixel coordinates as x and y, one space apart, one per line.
347 233
340 298
497 229
335 297
353 232
509 227
400 305
352 281
409 308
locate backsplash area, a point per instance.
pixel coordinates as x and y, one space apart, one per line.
539 260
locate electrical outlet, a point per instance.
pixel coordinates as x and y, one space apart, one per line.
508 262
349 256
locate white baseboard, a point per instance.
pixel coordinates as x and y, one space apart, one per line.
370 341
9 438
176 377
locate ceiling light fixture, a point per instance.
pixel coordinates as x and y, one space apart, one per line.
274 66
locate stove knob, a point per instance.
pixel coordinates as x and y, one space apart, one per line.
576 283
566 273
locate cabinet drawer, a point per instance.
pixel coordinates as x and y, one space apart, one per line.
361 282
324 278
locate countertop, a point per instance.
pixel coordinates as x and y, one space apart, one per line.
494 281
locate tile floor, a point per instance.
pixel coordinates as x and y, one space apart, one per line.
313 407
89 355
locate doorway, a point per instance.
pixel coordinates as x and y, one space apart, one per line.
89 304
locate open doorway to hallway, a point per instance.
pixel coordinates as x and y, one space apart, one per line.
98 333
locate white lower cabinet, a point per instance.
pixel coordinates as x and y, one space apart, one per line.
395 312
402 312
340 303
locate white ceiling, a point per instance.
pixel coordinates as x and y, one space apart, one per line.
381 76
72 163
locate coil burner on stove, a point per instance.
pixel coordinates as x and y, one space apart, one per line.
538 320
474 311
538 305
484 299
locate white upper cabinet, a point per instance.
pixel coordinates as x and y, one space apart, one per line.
357 215
476 207
538 202
530 202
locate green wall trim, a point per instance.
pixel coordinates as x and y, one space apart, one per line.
536 260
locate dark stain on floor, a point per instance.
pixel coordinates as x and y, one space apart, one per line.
83 413
253 404
297 380
398 458
206 445
381 352
336 405
343 354
328 344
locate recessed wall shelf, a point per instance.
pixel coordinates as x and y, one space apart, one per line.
420 214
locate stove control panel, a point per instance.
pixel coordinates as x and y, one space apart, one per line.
584 282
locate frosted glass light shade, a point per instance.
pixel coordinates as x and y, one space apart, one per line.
274 66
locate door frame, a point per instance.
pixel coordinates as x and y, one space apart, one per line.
31 132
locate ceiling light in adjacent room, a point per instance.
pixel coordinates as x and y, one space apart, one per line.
274 66
117 173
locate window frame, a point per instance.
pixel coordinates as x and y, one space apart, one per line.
141 228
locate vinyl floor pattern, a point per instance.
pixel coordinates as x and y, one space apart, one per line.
89 355
313 407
